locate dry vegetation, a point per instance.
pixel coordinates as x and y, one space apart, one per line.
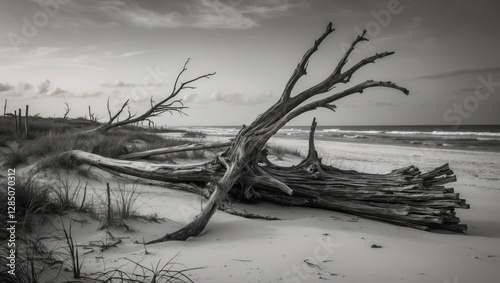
38 202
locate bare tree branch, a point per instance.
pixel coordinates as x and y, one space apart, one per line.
325 102
66 110
166 105
302 66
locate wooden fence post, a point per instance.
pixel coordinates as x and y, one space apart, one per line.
26 121
19 121
15 120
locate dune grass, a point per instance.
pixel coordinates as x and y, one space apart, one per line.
118 206
280 151
47 148
32 198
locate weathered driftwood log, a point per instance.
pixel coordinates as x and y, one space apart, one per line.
178 148
243 168
404 196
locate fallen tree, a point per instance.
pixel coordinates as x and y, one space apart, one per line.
404 196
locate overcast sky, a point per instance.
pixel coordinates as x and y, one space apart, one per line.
84 51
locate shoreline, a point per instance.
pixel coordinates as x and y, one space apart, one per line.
365 141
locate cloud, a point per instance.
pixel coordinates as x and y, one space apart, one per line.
468 90
6 87
118 83
44 51
238 99
87 93
56 92
23 86
18 89
42 87
206 14
456 73
129 54
189 97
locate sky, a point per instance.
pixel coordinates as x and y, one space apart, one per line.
84 52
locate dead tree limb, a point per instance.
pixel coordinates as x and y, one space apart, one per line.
92 117
66 110
167 105
178 148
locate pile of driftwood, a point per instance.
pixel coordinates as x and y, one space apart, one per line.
404 196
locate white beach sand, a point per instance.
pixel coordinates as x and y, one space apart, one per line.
338 246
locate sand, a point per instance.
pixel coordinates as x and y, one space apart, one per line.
311 245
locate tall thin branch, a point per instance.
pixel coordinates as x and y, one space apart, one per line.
66 109
302 66
166 105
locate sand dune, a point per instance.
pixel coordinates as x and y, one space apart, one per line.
310 245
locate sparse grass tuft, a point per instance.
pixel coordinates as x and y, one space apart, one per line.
120 205
72 248
156 273
280 151
34 261
67 196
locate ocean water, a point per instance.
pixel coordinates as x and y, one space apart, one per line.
472 137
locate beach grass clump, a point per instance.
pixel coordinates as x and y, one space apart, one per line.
119 206
72 249
49 147
34 261
280 151
36 198
32 198
158 273
69 196
13 158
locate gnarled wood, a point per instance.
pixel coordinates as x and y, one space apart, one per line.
404 196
